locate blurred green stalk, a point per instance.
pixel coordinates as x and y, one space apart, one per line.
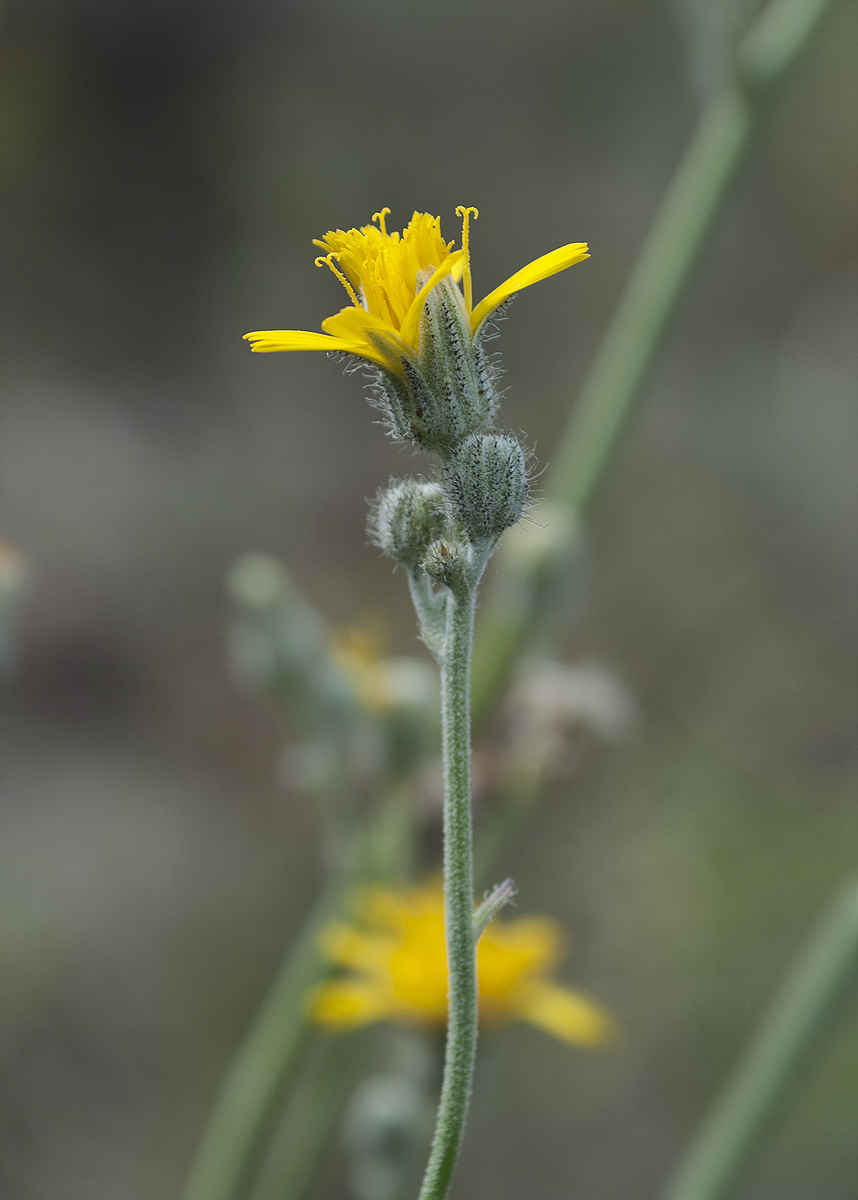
249 1104
327 1080
658 284
776 1060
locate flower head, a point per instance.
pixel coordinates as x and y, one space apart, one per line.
389 277
395 957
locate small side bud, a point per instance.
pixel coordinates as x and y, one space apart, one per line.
486 484
493 901
407 519
446 562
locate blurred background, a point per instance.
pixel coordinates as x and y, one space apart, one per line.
164 168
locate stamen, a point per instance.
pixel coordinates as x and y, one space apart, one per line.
465 213
326 262
379 216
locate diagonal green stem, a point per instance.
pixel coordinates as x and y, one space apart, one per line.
658 283
459 899
335 1066
252 1094
249 1102
776 1059
674 247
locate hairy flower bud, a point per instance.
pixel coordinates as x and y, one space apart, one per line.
446 562
407 518
486 484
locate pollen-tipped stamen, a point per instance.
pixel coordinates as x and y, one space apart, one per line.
465 214
379 216
326 261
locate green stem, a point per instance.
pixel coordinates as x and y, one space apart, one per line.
659 281
776 1059
329 1077
249 1102
459 899
251 1097
430 607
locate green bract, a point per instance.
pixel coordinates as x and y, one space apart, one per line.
446 392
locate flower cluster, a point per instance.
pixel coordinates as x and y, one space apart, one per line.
413 323
396 968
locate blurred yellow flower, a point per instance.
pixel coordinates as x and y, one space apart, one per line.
395 957
388 277
358 651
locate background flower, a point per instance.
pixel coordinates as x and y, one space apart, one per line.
395 956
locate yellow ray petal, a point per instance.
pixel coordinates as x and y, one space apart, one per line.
411 322
357 326
540 268
347 1004
511 951
351 324
568 1014
376 338
346 946
267 341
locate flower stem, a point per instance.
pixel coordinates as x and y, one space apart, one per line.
334 1069
459 898
776 1059
247 1108
252 1095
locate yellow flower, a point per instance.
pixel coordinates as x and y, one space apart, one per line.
388 277
396 960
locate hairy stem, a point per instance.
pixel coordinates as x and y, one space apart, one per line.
459 899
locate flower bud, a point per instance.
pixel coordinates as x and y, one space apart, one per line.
446 562
486 484
407 518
